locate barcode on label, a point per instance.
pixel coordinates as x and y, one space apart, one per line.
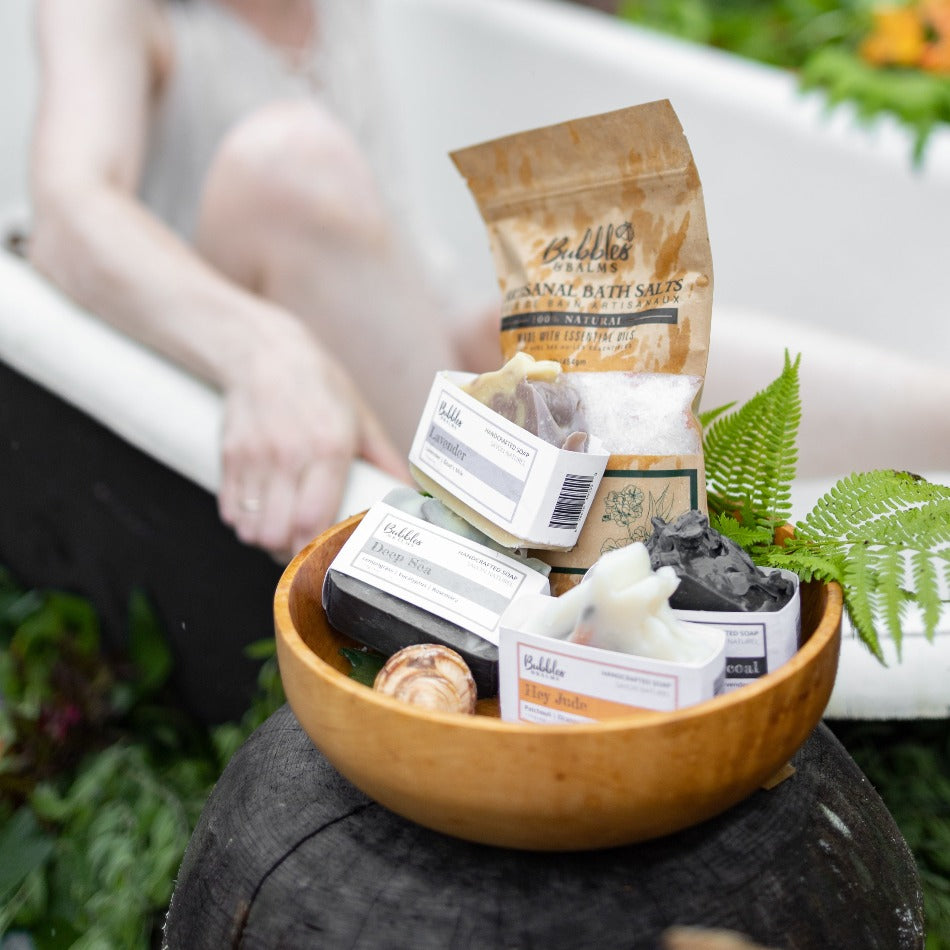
570 503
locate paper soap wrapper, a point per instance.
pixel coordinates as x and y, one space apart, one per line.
549 681
634 490
514 487
757 642
399 580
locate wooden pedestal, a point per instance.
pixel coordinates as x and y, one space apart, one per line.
288 854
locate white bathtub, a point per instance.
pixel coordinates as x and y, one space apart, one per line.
824 238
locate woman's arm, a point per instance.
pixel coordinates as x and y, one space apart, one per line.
293 419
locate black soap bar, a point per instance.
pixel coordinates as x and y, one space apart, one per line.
386 623
714 572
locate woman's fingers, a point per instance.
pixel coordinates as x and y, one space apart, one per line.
377 448
274 505
287 452
274 527
319 493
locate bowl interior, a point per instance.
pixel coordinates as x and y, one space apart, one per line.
304 619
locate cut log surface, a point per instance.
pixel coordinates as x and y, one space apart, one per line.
287 853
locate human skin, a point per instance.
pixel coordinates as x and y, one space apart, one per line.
312 374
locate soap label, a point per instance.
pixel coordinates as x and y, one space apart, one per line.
757 642
545 680
435 569
518 482
476 456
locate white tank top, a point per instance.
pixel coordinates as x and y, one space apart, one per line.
223 70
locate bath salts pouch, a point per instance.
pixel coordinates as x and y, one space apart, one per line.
598 232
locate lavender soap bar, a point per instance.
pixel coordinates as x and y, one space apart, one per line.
401 580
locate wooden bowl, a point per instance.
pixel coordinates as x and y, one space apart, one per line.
552 787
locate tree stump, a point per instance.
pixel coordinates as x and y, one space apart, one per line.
287 853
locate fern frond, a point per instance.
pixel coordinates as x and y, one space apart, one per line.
709 416
912 528
889 566
927 585
883 535
886 535
751 453
861 598
892 506
750 538
811 563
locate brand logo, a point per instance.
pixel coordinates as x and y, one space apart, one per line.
402 532
545 667
605 243
450 413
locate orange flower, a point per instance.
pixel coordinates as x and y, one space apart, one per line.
936 57
898 38
936 17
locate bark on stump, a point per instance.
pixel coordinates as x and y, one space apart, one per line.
288 854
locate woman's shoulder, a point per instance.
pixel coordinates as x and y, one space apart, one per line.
112 32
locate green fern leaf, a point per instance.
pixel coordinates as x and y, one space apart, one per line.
814 563
750 538
927 585
861 599
908 528
709 416
894 506
889 566
751 453
885 537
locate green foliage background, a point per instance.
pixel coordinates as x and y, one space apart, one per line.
818 39
102 775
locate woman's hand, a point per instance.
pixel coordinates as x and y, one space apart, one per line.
293 423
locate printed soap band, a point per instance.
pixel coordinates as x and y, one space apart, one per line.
757 642
512 485
552 681
401 580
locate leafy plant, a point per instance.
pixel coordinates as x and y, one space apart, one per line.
908 762
365 663
102 774
781 32
884 536
920 100
851 51
751 456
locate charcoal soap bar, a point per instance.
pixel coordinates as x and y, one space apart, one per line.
387 623
714 572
